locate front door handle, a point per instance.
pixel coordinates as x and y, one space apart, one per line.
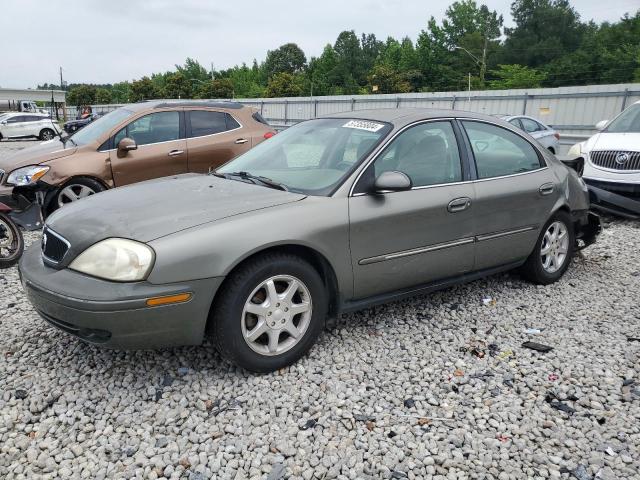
458 204
240 141
546 189
173 153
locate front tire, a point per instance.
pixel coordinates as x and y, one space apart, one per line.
74 190
269 312
553 251
11 242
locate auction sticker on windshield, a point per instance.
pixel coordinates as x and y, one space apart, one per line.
364 125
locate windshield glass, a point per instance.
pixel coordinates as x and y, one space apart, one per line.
313 157
627 122
100 126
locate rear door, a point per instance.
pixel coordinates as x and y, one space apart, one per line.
162 148
515 193
213 138
402 239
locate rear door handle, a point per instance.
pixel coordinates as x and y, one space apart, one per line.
240 141
458 204
546 189
173 153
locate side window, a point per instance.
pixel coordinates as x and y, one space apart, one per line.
427 153
516 123
232 124
499 152
17 119
206 122
153 128
531 126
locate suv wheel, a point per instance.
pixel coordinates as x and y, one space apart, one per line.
47 134
553 252
269 312
76 189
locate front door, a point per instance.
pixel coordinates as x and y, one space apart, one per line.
213 138
403 239
515 194
161 152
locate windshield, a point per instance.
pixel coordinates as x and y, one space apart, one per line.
100 126
313 157
627 122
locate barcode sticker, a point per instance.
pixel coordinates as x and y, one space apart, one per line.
363 125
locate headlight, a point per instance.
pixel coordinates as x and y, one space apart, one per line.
116 259
27 175
576 150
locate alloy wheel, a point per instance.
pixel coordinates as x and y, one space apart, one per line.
72 193
276 315
555 246
47 135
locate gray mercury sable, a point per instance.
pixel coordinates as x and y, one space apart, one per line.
332 215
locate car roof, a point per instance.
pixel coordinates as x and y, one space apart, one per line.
404 116
183 103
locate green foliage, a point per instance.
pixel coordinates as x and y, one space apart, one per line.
284 85
547 46
82 95
516 76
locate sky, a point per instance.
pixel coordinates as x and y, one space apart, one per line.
98 41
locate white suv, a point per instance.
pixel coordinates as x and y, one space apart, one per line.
612 163
25 125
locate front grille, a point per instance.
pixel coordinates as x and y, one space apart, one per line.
616 159
54 247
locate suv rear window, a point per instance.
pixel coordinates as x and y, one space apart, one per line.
207 122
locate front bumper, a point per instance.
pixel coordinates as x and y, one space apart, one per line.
114 314
621 199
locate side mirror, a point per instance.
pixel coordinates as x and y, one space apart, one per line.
392 182
601 125
126 145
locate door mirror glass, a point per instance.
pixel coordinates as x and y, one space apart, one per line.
601 125
392 182
125 145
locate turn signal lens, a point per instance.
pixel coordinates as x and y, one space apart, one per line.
179 298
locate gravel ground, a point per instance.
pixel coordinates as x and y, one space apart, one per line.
389 393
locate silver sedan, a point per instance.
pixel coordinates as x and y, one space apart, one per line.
332 215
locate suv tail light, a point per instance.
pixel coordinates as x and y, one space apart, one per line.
268 135
557 135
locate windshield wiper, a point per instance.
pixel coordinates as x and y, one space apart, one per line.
255 179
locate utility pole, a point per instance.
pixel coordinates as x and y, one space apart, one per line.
469 91
61 81
483 65
212 72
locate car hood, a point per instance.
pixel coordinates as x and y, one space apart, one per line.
40 153
614 141
153 209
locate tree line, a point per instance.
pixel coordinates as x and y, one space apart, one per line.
548 46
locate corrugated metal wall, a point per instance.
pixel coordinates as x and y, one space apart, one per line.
573 111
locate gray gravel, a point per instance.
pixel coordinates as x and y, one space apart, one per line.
386 394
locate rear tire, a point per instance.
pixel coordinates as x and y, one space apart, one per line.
256 325
553 252
47 134
11 242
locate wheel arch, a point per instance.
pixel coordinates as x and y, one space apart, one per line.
317 260
53 192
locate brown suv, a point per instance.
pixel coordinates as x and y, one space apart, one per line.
133 143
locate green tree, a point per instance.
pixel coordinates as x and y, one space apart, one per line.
289 58
144 89
384 79
193 70
103 96
349 70
82 95
516 76
284 85
218 88
120 92
322 73
177 86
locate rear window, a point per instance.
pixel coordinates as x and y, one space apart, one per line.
207 122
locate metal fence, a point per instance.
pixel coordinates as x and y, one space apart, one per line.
573 111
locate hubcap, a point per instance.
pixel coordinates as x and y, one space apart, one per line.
8 242
47 135
276 315
71 193
555 246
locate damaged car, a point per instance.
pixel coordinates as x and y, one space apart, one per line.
333 215
610 161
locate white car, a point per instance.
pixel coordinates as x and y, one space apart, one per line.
545 135
25 125
611 163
